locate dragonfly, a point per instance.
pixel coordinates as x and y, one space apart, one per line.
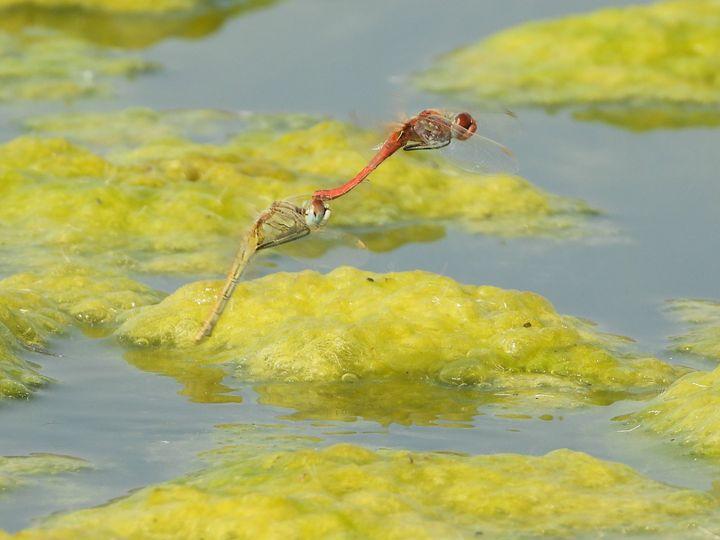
433 129
284 221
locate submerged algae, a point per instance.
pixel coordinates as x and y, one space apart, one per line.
19 470
347 490
687 413
703 337
34 306
159 202
38 65
660 57
410 326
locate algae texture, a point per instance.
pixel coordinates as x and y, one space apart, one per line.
703 319
127 24
34 306
638 67
687 412
71 49
16 471
160 194
45 65
351 326
350 491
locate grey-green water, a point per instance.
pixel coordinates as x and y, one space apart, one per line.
660 189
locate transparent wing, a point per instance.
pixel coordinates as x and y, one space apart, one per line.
478 154
283 222
329 246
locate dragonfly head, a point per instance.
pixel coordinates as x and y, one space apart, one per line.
317 212
467 123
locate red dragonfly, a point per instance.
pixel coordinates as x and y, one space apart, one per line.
433 129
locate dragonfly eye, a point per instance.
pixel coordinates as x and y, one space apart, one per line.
317 213
468 125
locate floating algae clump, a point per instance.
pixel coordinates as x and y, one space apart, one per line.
34 306
47 66
18 470
703 337
90 297
348 491
354 325
125 23
687 413
162 203
662 56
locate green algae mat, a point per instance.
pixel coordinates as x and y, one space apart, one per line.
125 24
35 306
70 50
284 489
351 325
637 67
16 471
687 412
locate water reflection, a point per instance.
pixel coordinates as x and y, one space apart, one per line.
200 383
648 118
127 30
385 402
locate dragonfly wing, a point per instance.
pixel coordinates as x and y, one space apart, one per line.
469 150
479 154
283 222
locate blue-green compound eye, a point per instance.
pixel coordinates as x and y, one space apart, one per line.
316 214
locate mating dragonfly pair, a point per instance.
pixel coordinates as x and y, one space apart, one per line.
286 221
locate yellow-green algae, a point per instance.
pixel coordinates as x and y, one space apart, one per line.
43 65
347 491
687 413
19 470
125 23
660 57
351 325
703 335
114 6
34 306
172 205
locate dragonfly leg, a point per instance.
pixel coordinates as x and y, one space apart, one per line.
425 146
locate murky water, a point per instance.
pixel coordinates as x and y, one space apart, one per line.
343 59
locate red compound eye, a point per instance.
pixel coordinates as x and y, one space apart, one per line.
468 125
